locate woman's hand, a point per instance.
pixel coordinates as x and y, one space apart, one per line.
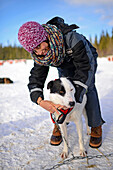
50 106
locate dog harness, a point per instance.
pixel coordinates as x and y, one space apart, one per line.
61 117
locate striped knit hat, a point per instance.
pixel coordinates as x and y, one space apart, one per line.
31 34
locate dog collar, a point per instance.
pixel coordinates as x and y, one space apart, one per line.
67 111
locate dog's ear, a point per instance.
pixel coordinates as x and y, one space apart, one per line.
71 80
50 85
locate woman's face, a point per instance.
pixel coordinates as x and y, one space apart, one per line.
41 49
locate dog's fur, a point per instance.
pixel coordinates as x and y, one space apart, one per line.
5 80
62 92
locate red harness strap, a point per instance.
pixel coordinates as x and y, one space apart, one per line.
67 111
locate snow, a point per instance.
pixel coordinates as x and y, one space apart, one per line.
26 128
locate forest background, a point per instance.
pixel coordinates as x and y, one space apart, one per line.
104 46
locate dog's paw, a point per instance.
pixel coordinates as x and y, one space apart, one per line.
64 155
83 153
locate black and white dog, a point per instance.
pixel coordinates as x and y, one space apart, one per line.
63 92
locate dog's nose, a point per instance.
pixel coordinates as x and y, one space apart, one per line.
71 103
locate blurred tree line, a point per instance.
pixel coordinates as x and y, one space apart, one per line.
13 52
104 45
104 48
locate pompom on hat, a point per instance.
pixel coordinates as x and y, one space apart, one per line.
31 34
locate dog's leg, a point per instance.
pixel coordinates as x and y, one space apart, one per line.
63 128
86 120
79 126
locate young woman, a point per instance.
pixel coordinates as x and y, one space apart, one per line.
59 45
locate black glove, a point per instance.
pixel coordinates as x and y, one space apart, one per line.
78 90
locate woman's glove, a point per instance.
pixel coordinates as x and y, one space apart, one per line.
78 93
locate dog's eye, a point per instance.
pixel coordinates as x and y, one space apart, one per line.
61 92
71 90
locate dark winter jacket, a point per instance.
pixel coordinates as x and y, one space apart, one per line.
79 65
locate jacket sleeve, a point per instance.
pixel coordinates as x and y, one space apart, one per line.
36 81
83 61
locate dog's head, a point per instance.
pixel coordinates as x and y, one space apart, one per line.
62 92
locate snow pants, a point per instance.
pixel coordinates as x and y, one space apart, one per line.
93 107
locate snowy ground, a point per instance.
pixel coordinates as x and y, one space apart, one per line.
25 128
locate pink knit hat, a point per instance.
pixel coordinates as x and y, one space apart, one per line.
31 34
